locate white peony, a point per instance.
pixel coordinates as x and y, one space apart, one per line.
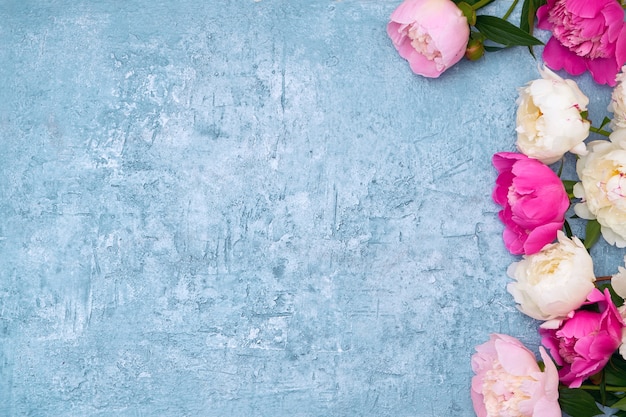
618 102
618 281
602 186
552 283
549 122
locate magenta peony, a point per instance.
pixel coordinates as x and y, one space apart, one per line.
534 202
508 381
584 343
431 34
586 35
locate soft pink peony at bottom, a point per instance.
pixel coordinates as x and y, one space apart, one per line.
584 343
509 383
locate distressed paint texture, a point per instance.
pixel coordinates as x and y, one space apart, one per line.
246 208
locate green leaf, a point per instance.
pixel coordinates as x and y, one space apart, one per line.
568 229
503 32
577 402
470 2
615 371
527 19
605 121
620 405
493 48
569 187
592 233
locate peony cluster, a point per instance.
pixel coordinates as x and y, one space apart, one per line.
582 322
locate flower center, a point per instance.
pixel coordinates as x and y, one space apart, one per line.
423 44
566 349
568 29
502 392
615 189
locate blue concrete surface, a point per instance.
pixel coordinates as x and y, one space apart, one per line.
247 208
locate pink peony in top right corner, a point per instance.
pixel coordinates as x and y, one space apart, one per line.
586 35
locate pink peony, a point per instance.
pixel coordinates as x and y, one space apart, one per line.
586 35
534 202
431 34
584 343
508 381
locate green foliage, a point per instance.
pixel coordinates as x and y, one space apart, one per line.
569 188
503 32
527 18
470 2
615 372
592 233
605 122
568 229
577 402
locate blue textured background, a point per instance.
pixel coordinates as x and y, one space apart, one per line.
243 208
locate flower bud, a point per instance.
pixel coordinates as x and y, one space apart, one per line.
475 49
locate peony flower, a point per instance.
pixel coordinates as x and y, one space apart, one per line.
508 381
602 186
617 106
534 202
431 34
618 281
554 282
584 343
586 35
548 118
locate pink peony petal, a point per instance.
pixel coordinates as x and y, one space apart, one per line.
540 237
558 57
585 8
620 47
603 70
515 358
405 13
514 239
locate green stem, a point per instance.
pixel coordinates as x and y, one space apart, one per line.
607 388
599 131
480 4
508 12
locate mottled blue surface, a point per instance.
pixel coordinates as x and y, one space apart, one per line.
239 208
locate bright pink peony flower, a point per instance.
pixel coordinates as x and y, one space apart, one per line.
431 34
534 202
586 35
508 381
584 343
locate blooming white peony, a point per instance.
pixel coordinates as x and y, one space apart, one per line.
549 122
618 102
554 282
602 186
